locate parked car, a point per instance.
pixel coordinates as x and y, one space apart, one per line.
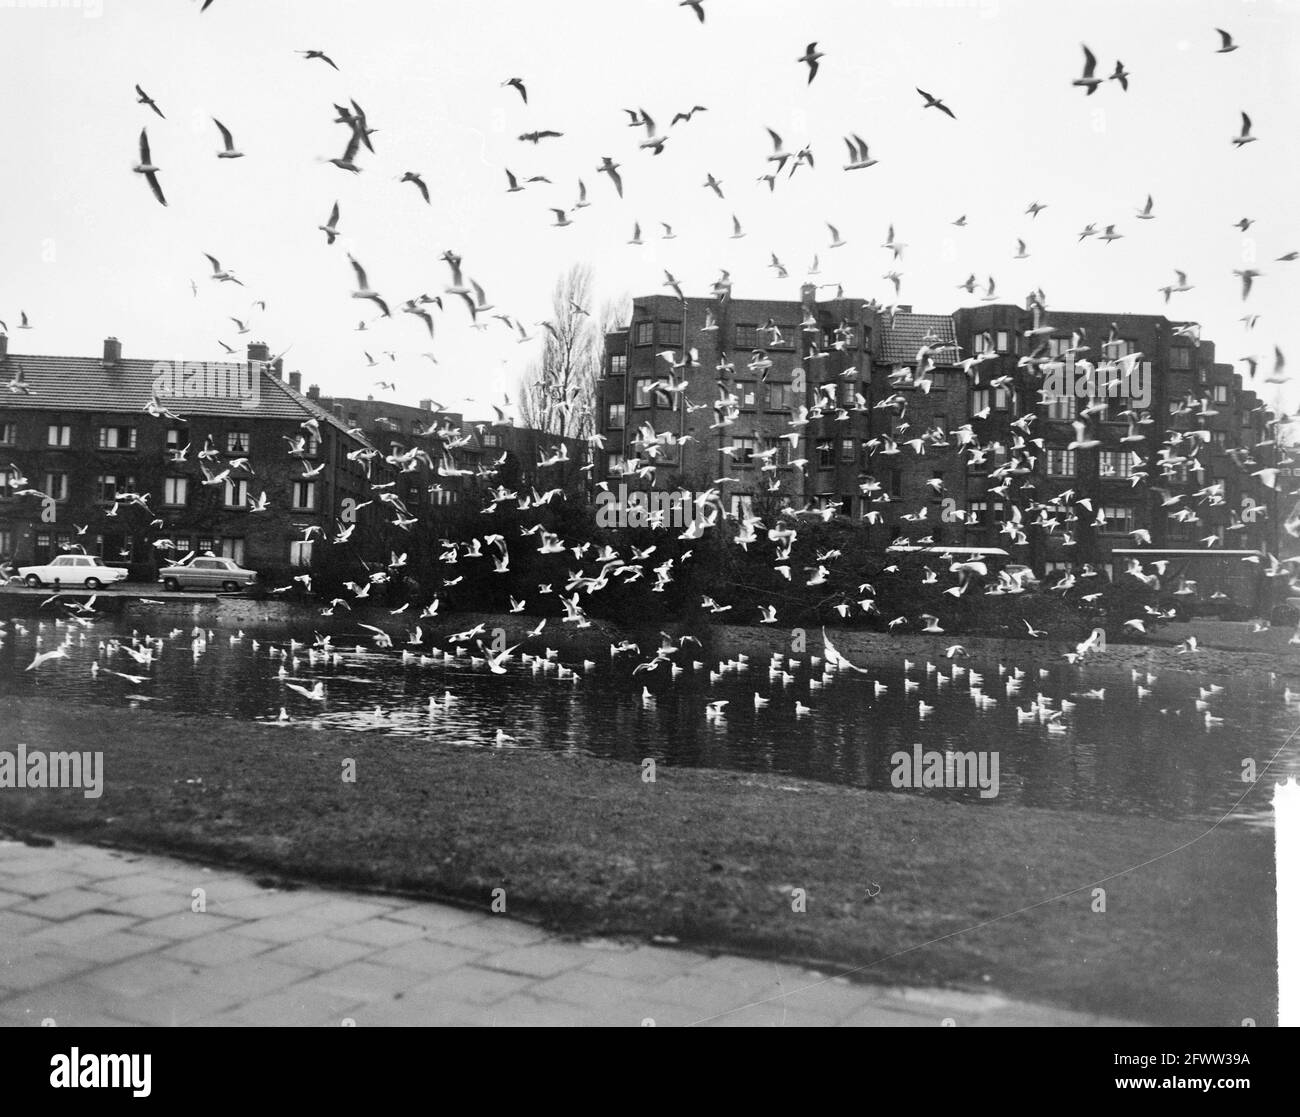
84 570
207 573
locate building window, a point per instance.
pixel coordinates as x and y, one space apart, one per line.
56 485
743 455
978 510
848 453
1061 407
896 483
491 441
232 547
844 392
176 491
304 496
1003 342
617 464
1218 438
1118 517
237 442
1056 346
1180 357
1220 393
1119 348
747 338
58 434
825 454
1116 463
117 438
777 397
175 438
300 552
982 343
1060 463
642 393
645 333
668 333
6 543
8 434
995 399
617 416
748 393
109 485
617 364
778 448
236 492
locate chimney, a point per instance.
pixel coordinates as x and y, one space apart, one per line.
808 296
313 391
901 309
295 381
258 351
426 405
4 346
112 351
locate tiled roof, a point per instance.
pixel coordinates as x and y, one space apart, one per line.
901 340
85 384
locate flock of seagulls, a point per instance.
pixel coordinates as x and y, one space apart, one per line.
583 569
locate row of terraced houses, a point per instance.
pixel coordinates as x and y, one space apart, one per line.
78 440
851 357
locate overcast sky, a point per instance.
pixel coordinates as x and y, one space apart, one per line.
86 251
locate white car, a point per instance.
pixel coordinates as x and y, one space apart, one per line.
73 570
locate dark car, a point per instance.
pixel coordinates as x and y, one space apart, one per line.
207 574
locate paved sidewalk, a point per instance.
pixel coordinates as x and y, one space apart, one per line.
97 937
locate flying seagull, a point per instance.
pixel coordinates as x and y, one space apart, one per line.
146 168
1089 81
310 54
229 151
935 103
1228 45
142 98
518 84
811 55
412 177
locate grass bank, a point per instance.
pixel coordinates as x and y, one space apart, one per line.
585 846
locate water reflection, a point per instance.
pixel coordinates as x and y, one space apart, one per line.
1129 745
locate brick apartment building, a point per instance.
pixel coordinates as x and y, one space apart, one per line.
887 448
76 437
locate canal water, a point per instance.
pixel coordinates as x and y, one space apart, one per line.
1128 746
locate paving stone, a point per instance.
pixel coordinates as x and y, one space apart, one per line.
289 927
645 964
768 1016
137 976
345 911
540 960
186 925
425 956
590 990
434 917
82 927
422 1014
492 933
65 904
215 950
176 1007
365 981
706 994
268 904
113 946
880 1015
295 1007
379 932
249 977
32 972
149 905
9 899
320 952
43 882
470 984
523 1011
140 883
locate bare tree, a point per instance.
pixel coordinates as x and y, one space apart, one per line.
558 391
